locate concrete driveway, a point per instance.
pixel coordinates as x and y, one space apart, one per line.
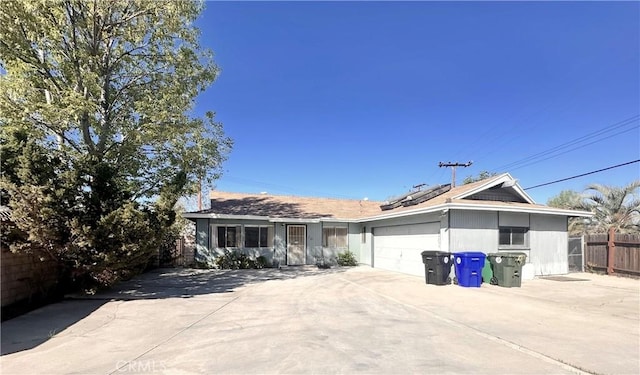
347 320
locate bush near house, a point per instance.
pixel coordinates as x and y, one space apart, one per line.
347 258
235 260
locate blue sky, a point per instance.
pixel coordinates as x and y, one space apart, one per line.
364 99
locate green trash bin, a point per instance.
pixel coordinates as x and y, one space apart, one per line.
487 272
507 268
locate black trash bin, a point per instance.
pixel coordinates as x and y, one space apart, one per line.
437 267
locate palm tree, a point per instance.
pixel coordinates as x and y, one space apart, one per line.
613 207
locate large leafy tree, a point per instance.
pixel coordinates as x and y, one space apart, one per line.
99 137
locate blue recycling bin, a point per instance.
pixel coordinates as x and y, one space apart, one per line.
468 266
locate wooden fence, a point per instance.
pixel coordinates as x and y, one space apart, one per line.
613 252
182 255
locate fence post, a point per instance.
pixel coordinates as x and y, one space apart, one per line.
611 250
583 245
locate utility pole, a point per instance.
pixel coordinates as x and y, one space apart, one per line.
453 169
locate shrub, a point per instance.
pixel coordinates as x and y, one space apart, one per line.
261 262
235 260
322 263
347 259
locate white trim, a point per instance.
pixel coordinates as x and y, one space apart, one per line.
197 215
481 207
544 210
292 220
338 220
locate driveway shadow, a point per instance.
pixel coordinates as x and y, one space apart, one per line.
36 327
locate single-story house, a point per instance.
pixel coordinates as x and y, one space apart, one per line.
492 215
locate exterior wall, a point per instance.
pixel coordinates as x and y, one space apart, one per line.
547 237
314 243
203 253
460 230
280 244
25 275
268 252
355 240
207 250
549 244
473 231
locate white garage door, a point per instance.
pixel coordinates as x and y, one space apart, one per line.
399 248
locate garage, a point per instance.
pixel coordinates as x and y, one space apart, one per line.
398 248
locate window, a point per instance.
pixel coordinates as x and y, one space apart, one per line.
363 235
258 236
334 237
228 236
513 236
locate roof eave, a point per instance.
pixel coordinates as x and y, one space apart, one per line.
417 211
480 207
199 215
544 210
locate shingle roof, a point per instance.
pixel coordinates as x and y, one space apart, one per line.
284 206
296 207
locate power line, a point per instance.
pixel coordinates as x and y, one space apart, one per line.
532 158
582 175
573 149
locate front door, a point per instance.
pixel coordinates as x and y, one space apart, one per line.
296 244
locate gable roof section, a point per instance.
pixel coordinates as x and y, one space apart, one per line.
504 181
498 193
